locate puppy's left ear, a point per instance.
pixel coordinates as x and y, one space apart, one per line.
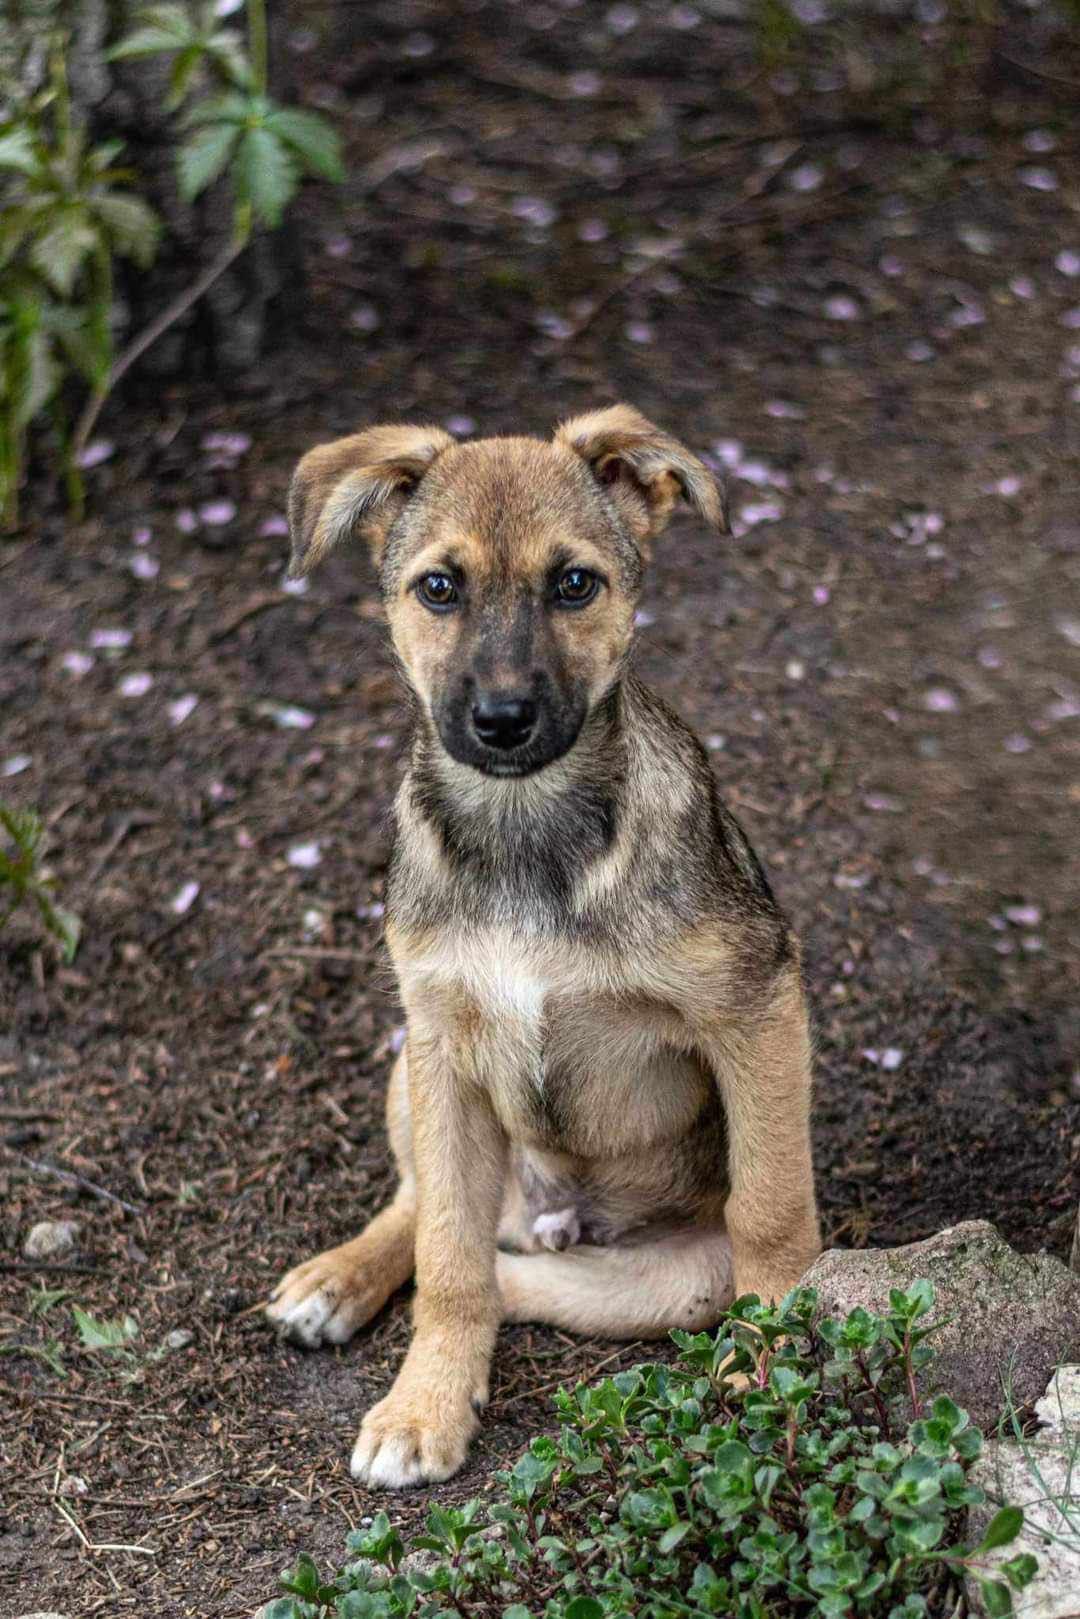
643 470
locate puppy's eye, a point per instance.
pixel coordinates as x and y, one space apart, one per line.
437 590
576 586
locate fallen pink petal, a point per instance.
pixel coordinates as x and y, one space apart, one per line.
185 898
136 684
216 513
304 856
182 708
100 450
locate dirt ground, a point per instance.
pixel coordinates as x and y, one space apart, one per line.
874 322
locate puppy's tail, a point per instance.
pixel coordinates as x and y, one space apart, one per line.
636 1290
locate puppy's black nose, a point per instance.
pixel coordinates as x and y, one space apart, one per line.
504 722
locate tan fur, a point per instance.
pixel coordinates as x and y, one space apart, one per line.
624 1045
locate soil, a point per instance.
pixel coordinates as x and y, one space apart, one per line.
547 208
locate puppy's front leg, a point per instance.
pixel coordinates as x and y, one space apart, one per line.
762 1068
420 1432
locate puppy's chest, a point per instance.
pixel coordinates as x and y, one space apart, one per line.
570 1056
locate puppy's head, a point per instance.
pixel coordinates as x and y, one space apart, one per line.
509 567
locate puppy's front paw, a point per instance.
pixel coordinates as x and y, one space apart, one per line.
323 1301
406 1441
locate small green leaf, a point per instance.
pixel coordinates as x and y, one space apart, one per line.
1003 1527
202 158
584 1608
314 140
145 42
17 151
996 1598
265 174
103 1335
60 250
133 225
1020 1570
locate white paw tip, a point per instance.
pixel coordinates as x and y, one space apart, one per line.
304 1322
393 1463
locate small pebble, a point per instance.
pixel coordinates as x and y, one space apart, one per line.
940 700
1023 916
51 1239
15 766
273 526
179 1338
77 664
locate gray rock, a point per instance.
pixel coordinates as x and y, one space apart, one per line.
1041 1474
41 1615
1003 1313
51 1239
179 1338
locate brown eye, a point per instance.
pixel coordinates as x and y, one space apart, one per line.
576 586
437 590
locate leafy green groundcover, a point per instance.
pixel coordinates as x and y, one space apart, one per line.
785 1467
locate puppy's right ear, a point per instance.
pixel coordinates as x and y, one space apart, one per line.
355 487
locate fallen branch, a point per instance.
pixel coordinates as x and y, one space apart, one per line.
149 336
68 1177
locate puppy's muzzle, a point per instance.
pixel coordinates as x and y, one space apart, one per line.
504 721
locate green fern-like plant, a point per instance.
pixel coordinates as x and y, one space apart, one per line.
68 212
22 879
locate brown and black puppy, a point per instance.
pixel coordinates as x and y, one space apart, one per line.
600 1116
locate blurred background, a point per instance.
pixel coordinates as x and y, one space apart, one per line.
833 247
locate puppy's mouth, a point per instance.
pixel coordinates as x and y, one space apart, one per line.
506 763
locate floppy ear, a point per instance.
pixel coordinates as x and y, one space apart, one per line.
356 486
643 470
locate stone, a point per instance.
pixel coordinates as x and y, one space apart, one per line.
51 1239
1001 1312
1041 1474
179 1338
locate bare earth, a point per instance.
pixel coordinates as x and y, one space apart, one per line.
884 660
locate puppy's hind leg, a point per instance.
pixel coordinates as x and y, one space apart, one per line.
326 1299
637 1289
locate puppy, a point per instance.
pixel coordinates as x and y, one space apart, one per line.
600 1116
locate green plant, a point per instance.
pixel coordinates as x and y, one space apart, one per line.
23 879
820 1488
68 214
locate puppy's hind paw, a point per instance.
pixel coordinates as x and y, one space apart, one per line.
558 1229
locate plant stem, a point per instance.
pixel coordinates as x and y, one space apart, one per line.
257 44
148 336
